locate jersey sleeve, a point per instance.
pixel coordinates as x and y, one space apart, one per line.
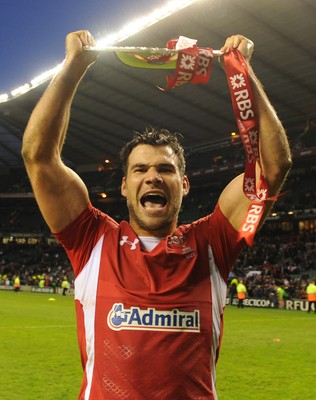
80 237
223 240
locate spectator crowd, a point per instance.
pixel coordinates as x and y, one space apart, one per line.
284 260
281 259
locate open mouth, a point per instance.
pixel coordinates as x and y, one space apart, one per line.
153 201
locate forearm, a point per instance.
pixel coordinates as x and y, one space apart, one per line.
275 154
47 126
46 130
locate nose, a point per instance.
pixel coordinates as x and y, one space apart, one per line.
153 176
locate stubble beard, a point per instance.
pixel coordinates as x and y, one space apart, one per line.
154 226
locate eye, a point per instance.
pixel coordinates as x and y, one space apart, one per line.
166 169
140 169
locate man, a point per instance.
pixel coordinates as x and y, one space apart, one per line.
281 293
149 295
311 295
241 293
65 285
232 289
16 283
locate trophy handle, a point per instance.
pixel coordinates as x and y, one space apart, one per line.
145 57
129 49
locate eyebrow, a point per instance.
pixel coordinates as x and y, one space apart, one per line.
142 165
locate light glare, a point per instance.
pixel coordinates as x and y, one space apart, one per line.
144 22
20 90
45 75
127 31
3 97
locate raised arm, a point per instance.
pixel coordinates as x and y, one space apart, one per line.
273 146
60 193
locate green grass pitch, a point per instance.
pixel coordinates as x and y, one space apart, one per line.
266 354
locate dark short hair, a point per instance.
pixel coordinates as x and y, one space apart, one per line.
155 137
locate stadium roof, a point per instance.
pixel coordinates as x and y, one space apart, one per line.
115 99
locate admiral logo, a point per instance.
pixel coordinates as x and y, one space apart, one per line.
153 320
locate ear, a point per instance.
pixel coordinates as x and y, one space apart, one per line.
123 187
185 185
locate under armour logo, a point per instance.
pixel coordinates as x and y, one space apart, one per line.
132 244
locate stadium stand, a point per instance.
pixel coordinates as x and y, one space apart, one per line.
284 253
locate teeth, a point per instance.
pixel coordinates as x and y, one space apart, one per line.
153 201
148 204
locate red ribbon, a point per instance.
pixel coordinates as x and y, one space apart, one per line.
193 66
245 113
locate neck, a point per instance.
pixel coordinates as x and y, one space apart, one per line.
160 232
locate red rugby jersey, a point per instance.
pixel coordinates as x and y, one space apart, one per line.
149 323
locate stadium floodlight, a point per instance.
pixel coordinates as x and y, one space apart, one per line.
45 75
20 90
4 97
128 30
141 23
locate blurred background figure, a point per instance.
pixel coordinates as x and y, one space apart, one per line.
311 295
65 285
241 293
16 283
281 294
232 289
